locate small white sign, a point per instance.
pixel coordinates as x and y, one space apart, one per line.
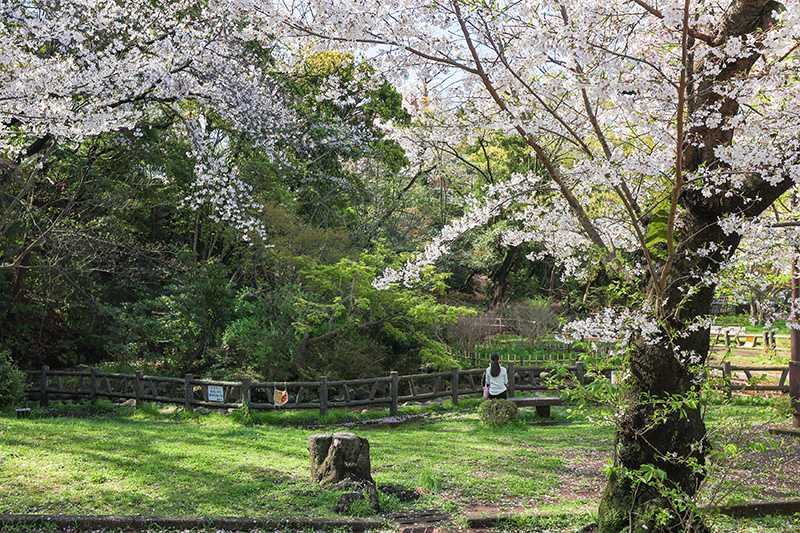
216 393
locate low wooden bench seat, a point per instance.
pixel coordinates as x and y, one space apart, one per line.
541 403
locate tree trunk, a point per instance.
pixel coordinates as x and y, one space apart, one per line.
627 505
339 457
500 278
674 443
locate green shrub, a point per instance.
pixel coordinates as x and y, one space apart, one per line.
12 381
244 415
497 412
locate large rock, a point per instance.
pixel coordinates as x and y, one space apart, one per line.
339 457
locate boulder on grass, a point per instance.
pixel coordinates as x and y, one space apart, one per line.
339 457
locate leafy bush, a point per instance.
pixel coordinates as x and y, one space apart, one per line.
352 329
12 381
437 356
497 412
261 335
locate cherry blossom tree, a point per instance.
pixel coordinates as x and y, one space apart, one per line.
663 127
73 70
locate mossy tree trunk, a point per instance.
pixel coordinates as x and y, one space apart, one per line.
673 444
650 437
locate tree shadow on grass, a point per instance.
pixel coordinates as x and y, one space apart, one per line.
143 470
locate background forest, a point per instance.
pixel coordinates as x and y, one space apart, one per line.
107 261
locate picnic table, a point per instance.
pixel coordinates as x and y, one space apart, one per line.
541 403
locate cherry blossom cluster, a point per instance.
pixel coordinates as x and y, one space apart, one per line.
615 326
217 183
83 67
595 83
76 69
480 211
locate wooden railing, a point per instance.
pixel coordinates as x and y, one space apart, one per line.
47 385
755 378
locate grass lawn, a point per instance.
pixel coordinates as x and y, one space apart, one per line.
151 463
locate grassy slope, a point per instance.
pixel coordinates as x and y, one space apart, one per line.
151 464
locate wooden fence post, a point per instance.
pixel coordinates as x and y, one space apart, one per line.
727 340
395 388
511 380
323 396
726 378
246 393
580 372
44 400
454 386
139 387
93 385
188 392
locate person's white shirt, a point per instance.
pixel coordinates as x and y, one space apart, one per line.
497 384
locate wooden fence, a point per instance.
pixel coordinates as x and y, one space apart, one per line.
45 385
755 378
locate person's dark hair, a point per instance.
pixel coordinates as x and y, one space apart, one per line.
495 368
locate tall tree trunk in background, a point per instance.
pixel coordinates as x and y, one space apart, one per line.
500 278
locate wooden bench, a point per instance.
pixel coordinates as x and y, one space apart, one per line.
541 403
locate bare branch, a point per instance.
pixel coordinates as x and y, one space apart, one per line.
541 154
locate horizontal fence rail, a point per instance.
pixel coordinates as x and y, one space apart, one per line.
47 385
754 378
